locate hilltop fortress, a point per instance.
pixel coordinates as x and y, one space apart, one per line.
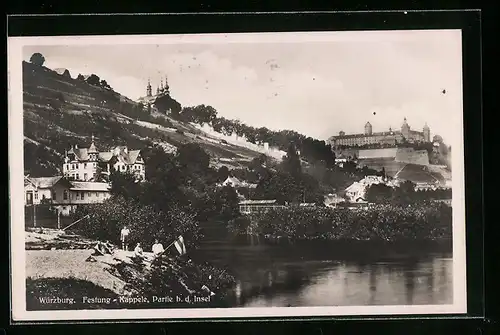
389 138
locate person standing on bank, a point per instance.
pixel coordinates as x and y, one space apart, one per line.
157 248
124 237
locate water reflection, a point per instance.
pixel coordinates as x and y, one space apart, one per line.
269 275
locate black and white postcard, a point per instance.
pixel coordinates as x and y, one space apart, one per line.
236 175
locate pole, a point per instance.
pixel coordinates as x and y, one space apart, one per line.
58 220
34 213
76 221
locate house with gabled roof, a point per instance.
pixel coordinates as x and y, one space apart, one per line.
63 194
85 164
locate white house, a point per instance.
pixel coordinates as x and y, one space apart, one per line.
357 191
83 163
63 194
235 182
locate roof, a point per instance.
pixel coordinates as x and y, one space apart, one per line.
89 186
257 202
130 157
419 174
375 134
44 182
92 148
105 156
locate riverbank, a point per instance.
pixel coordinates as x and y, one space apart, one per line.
383 223
74 276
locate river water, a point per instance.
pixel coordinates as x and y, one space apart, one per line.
329 274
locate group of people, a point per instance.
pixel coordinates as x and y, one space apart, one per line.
157 247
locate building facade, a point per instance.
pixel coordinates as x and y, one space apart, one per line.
63 194
85 164
390 137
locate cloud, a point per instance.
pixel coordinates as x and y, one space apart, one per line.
317 88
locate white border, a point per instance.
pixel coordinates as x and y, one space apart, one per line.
15 112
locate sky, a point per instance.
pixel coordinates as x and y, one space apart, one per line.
316 84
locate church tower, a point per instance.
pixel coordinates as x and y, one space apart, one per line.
148 89
368 128
427 133
405 129
161 86
166 88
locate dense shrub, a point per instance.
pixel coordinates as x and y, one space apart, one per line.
145 223
381 222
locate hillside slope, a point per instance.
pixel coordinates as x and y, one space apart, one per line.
60 112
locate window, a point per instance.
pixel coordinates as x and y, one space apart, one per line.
65 195
85 176
77 196
77 176
36 195
84 165
54 195
83 195
88 194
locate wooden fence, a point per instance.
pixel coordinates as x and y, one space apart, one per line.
44 216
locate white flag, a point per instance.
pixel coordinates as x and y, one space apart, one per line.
180 246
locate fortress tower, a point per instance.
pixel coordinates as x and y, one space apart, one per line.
427 133
368 128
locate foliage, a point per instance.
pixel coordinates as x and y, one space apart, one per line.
37 160
37 59
222 173
404 194
145 223
381 222
291 162
94 80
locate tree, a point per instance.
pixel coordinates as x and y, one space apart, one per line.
93 80
37 59
227 203
124 184
145 222
192 157
104 84
378 193
291 162
223 173
80 77
405 193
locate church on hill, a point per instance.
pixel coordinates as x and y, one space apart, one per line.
161 90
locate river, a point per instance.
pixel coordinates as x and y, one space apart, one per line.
329 274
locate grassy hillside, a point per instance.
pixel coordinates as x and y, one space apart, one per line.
60 112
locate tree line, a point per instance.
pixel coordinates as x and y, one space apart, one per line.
311 150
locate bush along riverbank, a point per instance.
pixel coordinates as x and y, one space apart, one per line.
383 223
